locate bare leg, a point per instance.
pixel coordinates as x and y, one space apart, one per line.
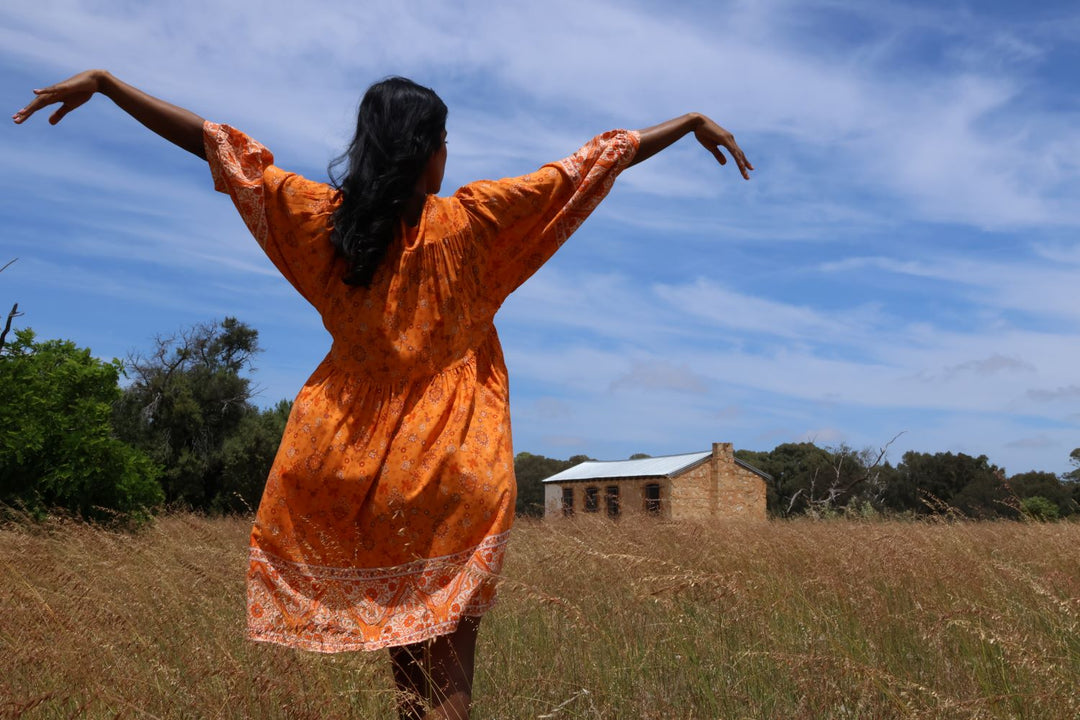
451 659
411 678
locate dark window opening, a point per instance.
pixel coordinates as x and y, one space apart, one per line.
568 501
611 496
652 498
592 499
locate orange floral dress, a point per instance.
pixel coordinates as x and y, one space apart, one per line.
388 508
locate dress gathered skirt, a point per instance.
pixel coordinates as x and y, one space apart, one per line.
387 511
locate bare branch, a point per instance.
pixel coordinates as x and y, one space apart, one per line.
11 316
794 497
885 450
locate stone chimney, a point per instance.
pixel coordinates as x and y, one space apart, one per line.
722 454
723 450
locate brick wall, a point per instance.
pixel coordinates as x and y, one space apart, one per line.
691 493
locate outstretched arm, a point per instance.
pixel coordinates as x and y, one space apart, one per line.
177 125
711 136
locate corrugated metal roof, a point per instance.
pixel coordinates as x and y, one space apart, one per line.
646 467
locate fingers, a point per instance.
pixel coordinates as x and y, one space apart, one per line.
32 107
740 159
736 152
72 93
60 113
41 100
21 116
718 154
714 137
744 165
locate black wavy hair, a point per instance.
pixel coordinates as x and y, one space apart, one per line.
398 128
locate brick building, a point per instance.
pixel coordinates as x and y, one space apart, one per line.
674 487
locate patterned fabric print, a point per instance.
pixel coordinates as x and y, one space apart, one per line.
592 171
335 609
387 510
237 168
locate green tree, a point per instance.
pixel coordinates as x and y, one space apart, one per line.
806 477
929 484
57 446
530 471
189 407
1074 474
1045 485
247 455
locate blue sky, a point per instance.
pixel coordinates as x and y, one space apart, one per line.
905 259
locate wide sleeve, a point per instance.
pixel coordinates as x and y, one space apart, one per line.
289 215
519 223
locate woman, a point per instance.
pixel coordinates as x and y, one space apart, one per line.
387 510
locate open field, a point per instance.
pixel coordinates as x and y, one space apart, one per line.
832 619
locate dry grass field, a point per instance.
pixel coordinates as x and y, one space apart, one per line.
828 619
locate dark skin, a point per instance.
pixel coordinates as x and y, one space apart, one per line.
711 136
436 675
438 672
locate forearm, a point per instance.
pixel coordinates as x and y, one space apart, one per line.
181 127
656 138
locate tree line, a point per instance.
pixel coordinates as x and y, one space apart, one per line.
807 479
177 428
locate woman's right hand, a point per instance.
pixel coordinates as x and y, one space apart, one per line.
72 93
712 137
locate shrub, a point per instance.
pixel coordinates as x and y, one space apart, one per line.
1039 508
57 448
